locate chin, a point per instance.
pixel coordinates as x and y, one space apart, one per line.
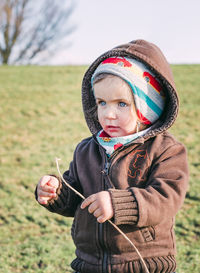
117 133
121 134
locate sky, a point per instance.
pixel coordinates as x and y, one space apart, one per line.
173 25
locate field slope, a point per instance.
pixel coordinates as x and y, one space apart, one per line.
40 119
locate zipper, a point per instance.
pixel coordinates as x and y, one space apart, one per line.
101 227
106 168
104 250
101 230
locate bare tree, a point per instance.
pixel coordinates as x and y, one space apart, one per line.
30 28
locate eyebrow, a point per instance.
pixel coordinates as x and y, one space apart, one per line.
120 99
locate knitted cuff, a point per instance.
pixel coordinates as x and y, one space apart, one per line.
124 206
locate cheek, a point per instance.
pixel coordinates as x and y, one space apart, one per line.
129 119
128 116
100 115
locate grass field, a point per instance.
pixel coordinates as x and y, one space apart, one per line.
40 119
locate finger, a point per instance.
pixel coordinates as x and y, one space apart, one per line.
43 200
46 194
48 184
88 201
47 188
53 182
44 180
97 213
46 191
101 219
92 207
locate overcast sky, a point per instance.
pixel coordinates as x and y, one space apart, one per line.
173 25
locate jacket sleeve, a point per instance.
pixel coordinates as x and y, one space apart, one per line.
66 201
163 195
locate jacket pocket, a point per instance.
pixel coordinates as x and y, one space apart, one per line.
148 233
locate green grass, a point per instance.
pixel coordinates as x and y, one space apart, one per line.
41 118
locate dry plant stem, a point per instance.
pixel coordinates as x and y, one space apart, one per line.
115 226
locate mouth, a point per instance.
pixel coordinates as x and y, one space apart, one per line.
112 127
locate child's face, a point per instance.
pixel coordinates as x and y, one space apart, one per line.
115 106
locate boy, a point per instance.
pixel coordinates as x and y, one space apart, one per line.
131 170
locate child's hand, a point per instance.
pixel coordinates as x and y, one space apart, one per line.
46 189
100 205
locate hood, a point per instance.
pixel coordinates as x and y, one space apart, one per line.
153 58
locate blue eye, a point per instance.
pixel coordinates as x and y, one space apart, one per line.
122 104
102 103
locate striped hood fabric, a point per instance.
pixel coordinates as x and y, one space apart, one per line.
148 94
152 68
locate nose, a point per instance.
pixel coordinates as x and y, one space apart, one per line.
110 112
